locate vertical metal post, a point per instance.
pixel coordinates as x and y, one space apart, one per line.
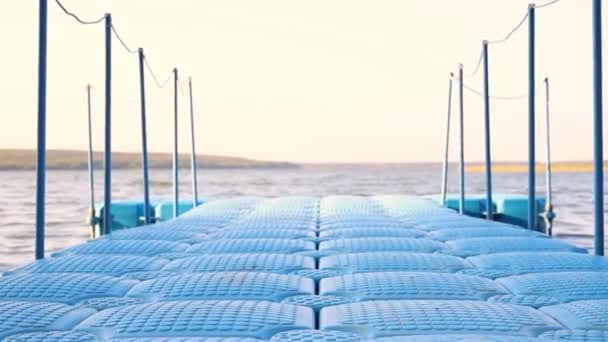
175 148
444 174
144 137
461 166
107 185
531 119
193 164
548 214
91 166
41 148
486 96
598 134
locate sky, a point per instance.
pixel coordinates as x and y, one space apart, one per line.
303 81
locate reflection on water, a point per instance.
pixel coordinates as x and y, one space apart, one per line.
68 193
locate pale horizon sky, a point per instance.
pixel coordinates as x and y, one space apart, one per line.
303 81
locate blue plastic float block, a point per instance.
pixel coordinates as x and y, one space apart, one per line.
577 335
315 336
194 224
261 234
315 302
461 224
274 263
392 261
373 232
466 233
22 317
515 208
273 224
381 244
461 338
487 245
164 210
472 205
565 286
53 336
188 339
141 276
373 319
538 262
245 246
132 247
102 303
409 285
68 288
584 314
317 274
156 233
533 301
223 318
113 265
225 285
125 214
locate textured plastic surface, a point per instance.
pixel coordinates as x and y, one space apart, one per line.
584 314
477 246
60 287
399 317
114 265
245 246
392 261
382 244
304 269
225 285
275 263
231 318
412 285
20 317
539 262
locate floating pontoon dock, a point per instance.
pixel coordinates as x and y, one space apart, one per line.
340 268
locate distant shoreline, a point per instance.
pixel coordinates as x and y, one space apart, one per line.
18 159
518 167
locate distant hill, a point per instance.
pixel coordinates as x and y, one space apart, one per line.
522 167
15 159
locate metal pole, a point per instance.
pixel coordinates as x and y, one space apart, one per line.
444 182
91 166
107 185
531 121
548 215
193 164
144 137
598 152
41 148
175 149
462 184
486 90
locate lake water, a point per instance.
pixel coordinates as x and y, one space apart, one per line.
68 196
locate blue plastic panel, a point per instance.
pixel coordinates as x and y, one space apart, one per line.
114 265
315 336
577 335
401 317
566 286
103 303
409 285
317 274
526 300
225 285
244 246
392 261
275 263
477 246
461 338
538 262
61 287
316 302
375 244
53 336
155 233
262 234
200 318
584 314
371 232
132 247
187 339
467 233
22 317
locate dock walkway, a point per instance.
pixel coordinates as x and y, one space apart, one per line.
338 268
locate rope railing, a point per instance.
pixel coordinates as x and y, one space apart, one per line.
77 18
